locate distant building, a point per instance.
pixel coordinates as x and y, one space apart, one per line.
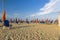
59 19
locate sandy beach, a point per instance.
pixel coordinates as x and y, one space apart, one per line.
31 31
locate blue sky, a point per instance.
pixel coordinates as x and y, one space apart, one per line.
31 8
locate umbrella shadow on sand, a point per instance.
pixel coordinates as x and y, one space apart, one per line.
20 27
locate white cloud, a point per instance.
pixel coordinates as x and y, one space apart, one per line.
16 15
52 6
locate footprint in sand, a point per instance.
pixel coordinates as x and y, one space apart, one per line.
9 38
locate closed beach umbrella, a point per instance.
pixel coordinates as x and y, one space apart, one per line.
3 15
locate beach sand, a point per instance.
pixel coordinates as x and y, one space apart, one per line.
32 31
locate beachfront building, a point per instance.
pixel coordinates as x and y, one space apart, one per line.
59 19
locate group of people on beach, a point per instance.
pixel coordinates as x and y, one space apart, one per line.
47 21
6 22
